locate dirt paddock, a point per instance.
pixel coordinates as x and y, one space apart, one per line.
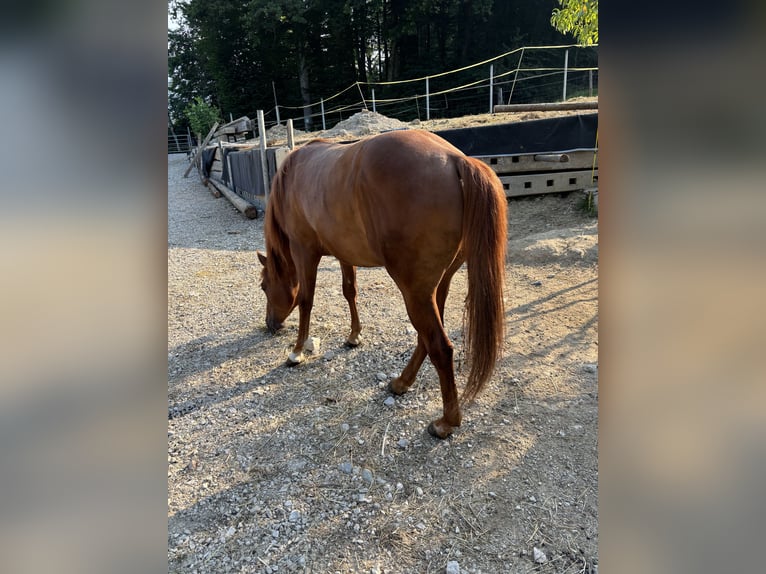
311 469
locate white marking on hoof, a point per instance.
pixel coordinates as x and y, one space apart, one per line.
312 344
294 359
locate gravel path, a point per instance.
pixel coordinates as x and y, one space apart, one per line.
317 469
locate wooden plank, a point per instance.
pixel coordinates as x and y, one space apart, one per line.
240 125
200 148
280 154
557 182
509 164
554 106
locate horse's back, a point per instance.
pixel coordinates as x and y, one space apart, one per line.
410 194
393 195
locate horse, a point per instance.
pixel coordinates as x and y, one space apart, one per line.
408 201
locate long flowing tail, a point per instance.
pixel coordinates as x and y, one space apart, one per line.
484 243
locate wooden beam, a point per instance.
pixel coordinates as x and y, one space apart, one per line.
200 148
555 106
247 208
552 157
264 165
213 189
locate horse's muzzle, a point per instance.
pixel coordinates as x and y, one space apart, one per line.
273 326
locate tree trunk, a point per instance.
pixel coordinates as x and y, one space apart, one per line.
359 19
465 21
303 78
380 48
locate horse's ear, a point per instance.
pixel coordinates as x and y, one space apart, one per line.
261 258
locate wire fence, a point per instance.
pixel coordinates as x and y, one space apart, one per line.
532 74
180 142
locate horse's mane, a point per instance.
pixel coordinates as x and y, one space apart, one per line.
277 242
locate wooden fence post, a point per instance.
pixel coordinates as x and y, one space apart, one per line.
290 134
200 148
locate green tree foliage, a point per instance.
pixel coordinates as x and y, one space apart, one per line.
202 116
237 54
188 78
579 18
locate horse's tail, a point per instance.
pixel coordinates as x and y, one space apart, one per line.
484 243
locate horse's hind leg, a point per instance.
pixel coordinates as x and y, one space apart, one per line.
425 316
349 292
403 382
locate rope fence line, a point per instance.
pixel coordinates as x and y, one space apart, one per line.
470 66
492 82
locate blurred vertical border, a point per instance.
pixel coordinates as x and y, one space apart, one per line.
83 287
682 412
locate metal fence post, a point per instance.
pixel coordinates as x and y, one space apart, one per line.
321 103
428 101
491 95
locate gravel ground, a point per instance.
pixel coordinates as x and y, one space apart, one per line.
317 469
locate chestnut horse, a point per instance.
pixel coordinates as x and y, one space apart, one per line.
408 201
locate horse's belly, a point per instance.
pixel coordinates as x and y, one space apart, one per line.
353 251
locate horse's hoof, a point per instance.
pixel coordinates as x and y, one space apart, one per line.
441 431
397 386
293 359
352 342
312 344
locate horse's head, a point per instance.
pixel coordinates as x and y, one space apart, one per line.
281 293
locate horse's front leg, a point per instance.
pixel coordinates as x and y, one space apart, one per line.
307 275
349 292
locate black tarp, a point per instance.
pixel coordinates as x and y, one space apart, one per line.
246 174
225 172
552 135
208 156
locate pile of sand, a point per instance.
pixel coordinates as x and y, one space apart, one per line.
278 133
363 123
562 246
